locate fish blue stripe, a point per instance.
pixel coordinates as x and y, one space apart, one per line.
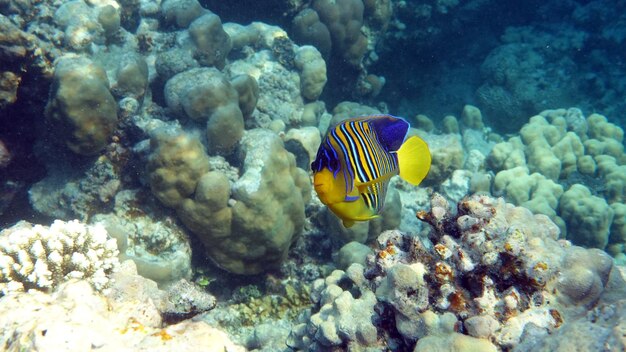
372 155
354 155
381 155
369 171
378 152
330 146
390 161
349 180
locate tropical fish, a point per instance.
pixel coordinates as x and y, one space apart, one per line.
357 158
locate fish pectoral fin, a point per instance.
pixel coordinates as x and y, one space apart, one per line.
365 186
348 223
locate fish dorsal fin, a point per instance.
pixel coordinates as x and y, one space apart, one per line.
390 130
414 160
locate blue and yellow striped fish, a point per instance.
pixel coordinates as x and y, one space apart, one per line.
358 157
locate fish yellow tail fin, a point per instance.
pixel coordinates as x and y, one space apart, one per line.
414 160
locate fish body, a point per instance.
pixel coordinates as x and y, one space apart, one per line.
357 158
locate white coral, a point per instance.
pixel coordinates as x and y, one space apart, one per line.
39 257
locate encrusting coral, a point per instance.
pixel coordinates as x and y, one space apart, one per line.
42 258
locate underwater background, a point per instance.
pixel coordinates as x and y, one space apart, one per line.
156 189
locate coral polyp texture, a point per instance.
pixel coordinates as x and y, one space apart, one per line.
204 95
569 167
130 316
42 258
81 107
247 224
492 277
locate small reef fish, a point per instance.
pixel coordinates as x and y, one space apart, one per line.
357 158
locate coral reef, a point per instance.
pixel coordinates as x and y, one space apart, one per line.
131 76
492 271
343 317
81 108
562 152
77 317
149 236
77 191
312 71
447 154
212 43
181 12
178 126
247 227
175 165
205 96
42 258
514 86
338 21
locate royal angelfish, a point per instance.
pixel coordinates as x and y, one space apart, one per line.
358 157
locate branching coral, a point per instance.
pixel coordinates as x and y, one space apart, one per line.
38 257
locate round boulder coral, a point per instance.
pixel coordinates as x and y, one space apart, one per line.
81 108
175 165
588 217
248 227
205 95
212 43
